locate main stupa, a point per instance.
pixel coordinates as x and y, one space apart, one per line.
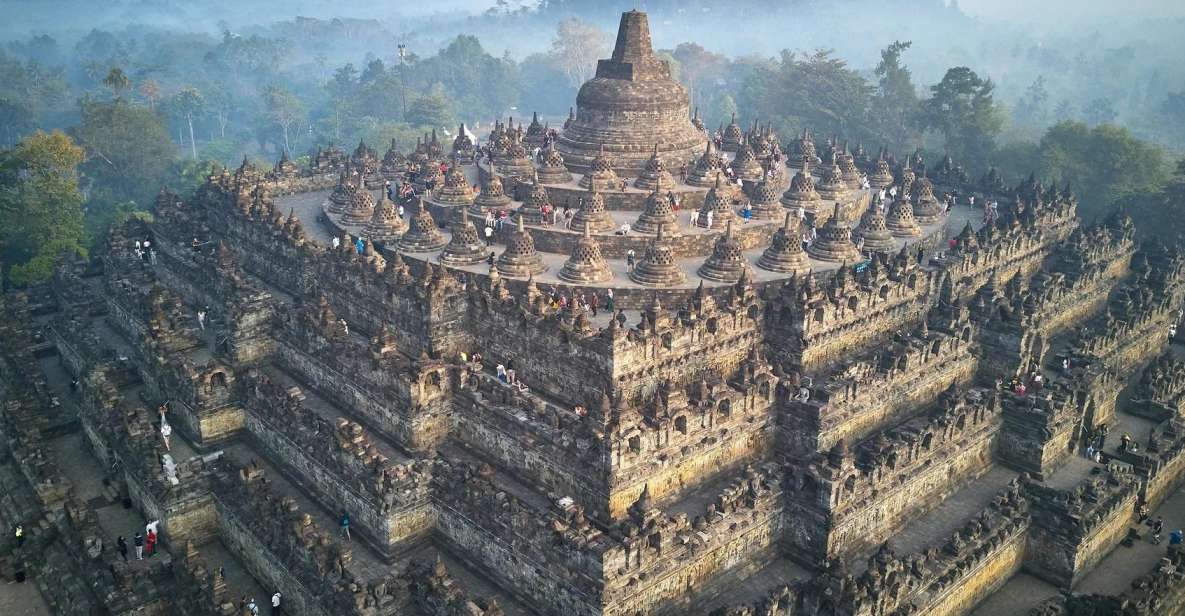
631 106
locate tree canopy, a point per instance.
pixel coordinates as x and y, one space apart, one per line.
40 206
961 107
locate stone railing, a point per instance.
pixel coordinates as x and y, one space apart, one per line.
286 550
553 555
1074 529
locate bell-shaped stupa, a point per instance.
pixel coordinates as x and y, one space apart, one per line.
631 104
586 265
785 254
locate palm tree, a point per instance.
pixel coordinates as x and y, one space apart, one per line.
117 81
189 102
150 90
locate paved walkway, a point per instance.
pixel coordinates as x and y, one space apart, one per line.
1116 572
22 600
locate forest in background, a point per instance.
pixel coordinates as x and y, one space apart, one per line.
153 92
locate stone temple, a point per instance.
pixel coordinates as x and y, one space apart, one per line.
840 408
630 107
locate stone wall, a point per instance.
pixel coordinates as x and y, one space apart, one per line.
866 394
1073 531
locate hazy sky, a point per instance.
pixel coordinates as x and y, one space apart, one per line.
1027 9
1023 10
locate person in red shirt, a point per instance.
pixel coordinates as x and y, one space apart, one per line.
150 543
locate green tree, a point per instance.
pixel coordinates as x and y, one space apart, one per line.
128 153
283 110
1099 111
817 91
896 99
189 102
117 82
724 108
40 206
1103 164
576 47
432 110
700 71
963 109
1032 107
28 92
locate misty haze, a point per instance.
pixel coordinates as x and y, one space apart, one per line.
575 308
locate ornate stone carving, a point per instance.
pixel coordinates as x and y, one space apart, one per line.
654 175
631 104
422 235
785 254
727 262
465 247
586 265
658 267
520 260
834 241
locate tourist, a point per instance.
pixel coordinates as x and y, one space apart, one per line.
251 607
1157 528
123 548
694 218
609 300
19 534
1125 442
593 304
152 256
510 376
1090 452
921 254
401 211
629 260
709 219
489 233
276 603
201 314
150 543
501 370
621 319
683 172
490 258
625 229
360 245
747 211
165 432
344 524
674 201
1175 537
345 327
336 242
1065 364
138 541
